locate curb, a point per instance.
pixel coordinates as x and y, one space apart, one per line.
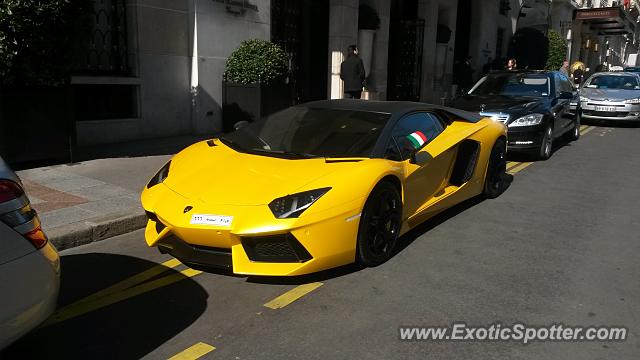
85 232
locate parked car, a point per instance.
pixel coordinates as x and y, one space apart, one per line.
29 263
536 106
284 194
611 96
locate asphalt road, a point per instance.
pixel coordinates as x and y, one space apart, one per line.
561 245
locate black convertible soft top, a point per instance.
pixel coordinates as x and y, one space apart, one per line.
395 108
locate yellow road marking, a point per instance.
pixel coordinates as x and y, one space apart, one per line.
586 130
520 167
512 164
292 295
194 352
582 127
82 307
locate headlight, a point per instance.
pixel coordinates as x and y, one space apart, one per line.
528 120
160 176
584 98
632 101
291 206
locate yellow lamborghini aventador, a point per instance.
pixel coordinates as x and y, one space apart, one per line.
320 185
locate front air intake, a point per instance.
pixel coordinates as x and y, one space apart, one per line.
282 248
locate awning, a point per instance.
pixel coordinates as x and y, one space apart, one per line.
607 21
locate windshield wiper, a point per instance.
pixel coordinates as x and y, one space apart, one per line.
285 153
330 160
224 140
230 143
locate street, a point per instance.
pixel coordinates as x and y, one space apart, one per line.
559 246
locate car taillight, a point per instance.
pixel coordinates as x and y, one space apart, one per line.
21 217
37 237
9 190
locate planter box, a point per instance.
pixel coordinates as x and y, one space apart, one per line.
252 102
37 125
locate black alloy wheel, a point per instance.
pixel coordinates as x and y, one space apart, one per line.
495 180
380 224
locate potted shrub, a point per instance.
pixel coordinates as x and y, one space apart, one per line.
254 82
368 23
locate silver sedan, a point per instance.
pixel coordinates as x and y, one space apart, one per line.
29 263
611 96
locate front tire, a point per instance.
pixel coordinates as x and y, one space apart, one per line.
494 181
574 134
379 225
546 145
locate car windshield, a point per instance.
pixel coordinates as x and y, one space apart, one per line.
517 84
302 132
628 82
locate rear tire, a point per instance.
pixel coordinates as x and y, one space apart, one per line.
494 181
380 224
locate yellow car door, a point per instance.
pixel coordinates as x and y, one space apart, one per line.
425 175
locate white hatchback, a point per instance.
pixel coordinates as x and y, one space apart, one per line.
29 263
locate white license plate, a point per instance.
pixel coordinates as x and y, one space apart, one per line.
213 220
606 108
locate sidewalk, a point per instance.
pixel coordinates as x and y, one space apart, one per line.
96 199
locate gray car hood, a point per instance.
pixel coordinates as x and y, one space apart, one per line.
609 94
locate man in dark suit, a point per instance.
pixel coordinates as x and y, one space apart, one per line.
352 73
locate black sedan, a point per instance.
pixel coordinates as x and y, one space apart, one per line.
537 106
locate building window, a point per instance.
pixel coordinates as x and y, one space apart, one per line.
499 42
104 102
504 7
105 52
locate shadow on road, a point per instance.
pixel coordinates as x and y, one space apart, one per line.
407 239
531 157
611 123
562 142
128 329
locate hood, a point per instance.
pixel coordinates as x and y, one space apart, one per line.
478 103
219 175
609 94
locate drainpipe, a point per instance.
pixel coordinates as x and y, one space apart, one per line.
569 45
195 81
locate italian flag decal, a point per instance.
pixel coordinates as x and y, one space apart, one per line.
417 139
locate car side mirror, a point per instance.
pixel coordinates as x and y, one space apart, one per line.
412 157
567 95
420 157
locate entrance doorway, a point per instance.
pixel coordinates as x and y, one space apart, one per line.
405 51
301 27
463 30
